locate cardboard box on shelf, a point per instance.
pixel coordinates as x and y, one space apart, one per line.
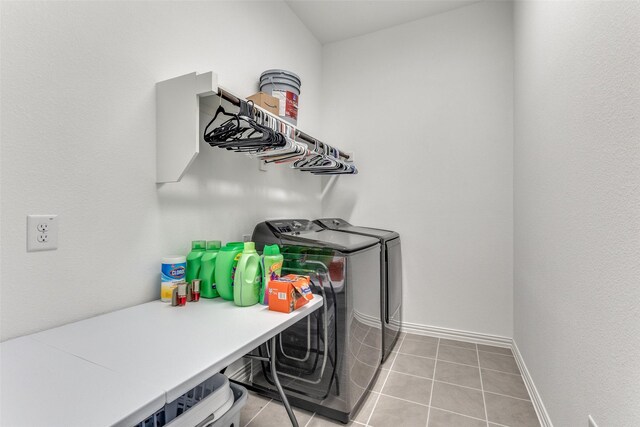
289 293
266 101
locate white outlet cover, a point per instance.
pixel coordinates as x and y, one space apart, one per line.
42 233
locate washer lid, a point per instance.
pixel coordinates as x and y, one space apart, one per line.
306 233
340 224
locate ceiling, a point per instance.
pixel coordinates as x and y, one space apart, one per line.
333 20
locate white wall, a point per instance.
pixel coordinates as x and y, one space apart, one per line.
427 109
78 140
577 210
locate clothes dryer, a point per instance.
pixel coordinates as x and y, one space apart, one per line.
390 276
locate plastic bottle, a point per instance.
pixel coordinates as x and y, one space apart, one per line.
225 268
207 270
173 271
194 258
246 284
271 270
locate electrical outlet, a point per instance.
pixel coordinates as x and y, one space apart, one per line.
591 422
42 232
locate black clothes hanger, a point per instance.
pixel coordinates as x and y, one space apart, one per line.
242 133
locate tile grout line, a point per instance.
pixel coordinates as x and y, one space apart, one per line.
484 402
433 381
309 421
453 345
455 385
258 413
410 375
462 415
506 395
483 390
481 351
450 383
467 348
404 400
463 364
502 372
384 382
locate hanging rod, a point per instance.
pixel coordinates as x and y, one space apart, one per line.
300 135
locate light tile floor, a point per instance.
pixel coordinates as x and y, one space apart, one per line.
428 382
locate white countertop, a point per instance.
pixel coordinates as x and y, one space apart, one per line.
43 386
154 345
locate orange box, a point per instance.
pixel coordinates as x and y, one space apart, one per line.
289 293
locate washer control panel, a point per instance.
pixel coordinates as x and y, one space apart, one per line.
294 227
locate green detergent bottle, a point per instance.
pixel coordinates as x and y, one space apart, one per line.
225 268
207 269
246 284
194 259
271 270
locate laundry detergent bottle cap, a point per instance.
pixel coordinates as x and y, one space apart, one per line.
198 245
194 259
271 250
249 247
214 245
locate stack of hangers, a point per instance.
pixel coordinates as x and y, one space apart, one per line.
259 134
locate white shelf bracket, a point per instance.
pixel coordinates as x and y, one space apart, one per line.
178 122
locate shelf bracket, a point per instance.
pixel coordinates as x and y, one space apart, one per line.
178 122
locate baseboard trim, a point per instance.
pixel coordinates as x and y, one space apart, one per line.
536 399
456 334
368 320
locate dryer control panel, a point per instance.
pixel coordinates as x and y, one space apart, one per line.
294 227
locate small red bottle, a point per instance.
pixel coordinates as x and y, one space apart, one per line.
182 294
195 290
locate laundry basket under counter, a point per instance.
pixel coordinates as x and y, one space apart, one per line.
214 403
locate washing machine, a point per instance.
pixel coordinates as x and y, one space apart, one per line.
329 361
390 276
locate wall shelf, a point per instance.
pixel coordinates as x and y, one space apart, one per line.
178 127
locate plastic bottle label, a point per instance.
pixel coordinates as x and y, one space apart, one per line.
273 270
235 266
173 272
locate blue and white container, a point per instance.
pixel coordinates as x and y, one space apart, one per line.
173 271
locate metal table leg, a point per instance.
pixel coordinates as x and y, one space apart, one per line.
285 401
